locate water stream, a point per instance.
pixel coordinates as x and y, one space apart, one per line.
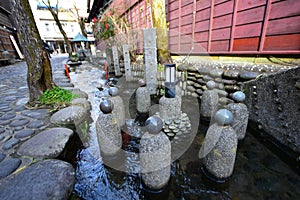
258 173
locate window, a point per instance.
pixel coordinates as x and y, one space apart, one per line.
47 27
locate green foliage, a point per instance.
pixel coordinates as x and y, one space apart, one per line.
57 97
105 27
162 91
74 57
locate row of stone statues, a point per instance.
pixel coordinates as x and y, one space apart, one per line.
218 150
228 125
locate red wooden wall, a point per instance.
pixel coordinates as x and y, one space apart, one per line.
223 26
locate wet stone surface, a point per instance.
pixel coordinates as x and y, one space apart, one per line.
10 143
30 183
24 133
19 122
36 114
8 116
8 166
47 144
36 124
2 156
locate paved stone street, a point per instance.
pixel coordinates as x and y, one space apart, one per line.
19 128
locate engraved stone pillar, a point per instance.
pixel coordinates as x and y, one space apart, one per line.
116 61
150 58
128 74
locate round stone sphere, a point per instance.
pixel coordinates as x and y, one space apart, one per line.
154 124
211 85
224 117
113 91
106 106
142 82
239 96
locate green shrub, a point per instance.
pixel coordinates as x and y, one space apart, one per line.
57 97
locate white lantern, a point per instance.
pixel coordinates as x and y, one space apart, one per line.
170 80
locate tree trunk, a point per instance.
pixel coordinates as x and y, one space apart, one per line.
39 75
160 23
66 39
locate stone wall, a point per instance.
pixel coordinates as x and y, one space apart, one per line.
274 104
229 77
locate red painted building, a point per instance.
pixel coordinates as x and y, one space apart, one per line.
247 27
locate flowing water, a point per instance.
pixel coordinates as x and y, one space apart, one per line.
258 172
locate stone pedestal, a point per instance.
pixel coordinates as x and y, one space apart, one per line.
240 120
150 59
155 156
221 158
209 103
126 55
116 61
170 108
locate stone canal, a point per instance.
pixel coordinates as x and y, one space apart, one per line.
259 173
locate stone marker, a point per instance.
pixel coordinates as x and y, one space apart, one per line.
119 108
209 101
126 55
116 61
240 113
155 155
219 147
108 130
150 58
47 179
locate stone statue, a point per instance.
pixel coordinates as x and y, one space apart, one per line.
220 145
108 130
240 113
155 155
209 101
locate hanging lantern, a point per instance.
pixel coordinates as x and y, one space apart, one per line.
170 80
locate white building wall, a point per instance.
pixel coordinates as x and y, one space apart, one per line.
47 26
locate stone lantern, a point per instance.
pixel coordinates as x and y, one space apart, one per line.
170 80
